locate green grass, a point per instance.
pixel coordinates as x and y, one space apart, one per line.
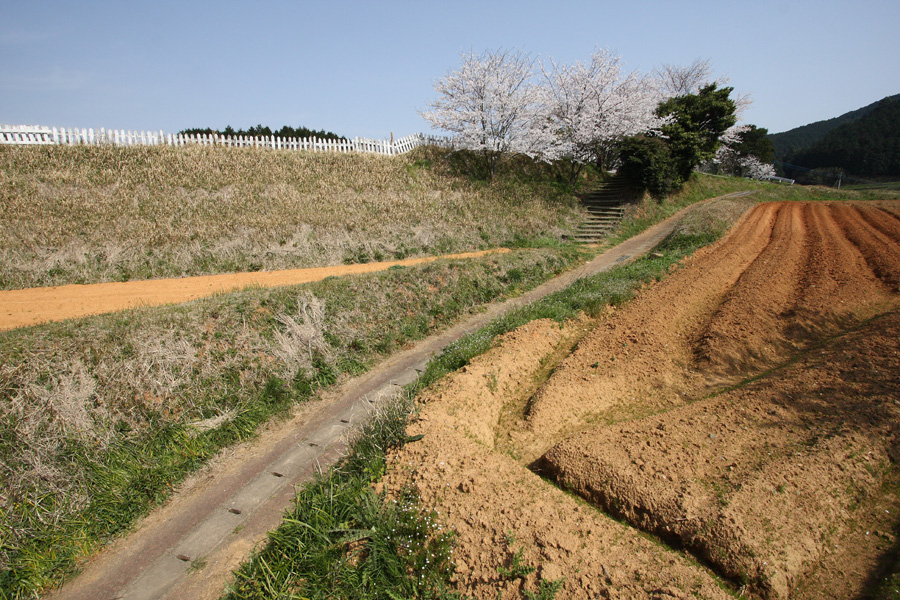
702 186
341 539
893 186
100 417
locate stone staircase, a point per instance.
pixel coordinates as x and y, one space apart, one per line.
606 207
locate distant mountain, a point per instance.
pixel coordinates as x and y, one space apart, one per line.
799 138
866 147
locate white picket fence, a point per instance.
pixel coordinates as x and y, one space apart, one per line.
31 135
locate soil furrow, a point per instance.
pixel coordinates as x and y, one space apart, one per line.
498 508
882 220
760 482
881 254
746 331
837 279
647 345
775 483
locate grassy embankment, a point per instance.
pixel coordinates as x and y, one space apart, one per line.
90 214
100 417
333 544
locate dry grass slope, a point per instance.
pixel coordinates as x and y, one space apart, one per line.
91 214
100 416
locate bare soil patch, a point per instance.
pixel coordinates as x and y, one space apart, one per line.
499 508
783 277
31 306
762 482
773 484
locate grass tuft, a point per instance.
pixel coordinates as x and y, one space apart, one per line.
342 539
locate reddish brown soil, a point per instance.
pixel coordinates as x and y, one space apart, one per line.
489 498
761 482
22 308
785 275
771 485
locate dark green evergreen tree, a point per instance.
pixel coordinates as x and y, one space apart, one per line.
646 161
697 122
755 141
266 131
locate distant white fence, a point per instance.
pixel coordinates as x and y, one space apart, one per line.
32 135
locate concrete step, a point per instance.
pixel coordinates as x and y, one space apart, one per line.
605 210
605 207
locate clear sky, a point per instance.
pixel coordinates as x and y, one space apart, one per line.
366 68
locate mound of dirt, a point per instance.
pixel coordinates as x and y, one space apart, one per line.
500 510
761 482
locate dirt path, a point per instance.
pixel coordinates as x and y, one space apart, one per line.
784 485
256 479
21 308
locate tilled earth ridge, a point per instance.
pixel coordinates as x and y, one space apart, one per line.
761 482
788 274
710 323
499 508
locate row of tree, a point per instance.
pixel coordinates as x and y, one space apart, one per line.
260 131
660 125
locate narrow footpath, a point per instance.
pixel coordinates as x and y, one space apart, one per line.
188 547
31 306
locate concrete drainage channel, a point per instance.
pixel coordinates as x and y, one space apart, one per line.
190 546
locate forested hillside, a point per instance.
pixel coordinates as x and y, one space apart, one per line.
867 147
800 138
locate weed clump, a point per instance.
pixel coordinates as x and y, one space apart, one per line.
342 539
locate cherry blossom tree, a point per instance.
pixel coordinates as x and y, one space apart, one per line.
591 107
579 113
730 159
675 80
490 104
756 169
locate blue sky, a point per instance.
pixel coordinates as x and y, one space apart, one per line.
367 68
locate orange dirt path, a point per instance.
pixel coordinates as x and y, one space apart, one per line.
21 308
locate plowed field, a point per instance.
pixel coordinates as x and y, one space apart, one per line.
745 411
